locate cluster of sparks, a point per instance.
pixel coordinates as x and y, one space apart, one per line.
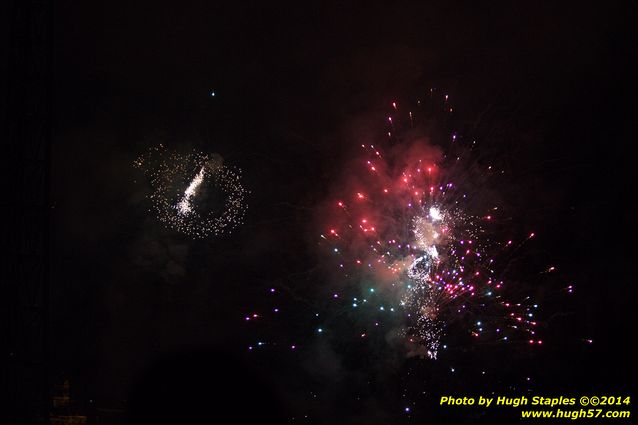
402 220
194 193
420 253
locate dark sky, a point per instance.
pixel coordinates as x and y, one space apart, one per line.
548 89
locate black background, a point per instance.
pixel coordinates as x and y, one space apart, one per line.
150 322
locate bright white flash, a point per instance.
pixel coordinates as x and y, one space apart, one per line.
435 214
184 206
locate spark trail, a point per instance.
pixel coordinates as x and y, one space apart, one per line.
184 206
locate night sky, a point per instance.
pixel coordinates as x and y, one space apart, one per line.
147 320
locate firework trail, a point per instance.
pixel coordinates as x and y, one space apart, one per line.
194 193
402 220
184 206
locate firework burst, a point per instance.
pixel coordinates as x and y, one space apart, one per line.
194 193
402 219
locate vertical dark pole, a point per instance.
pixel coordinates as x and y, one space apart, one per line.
24 204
